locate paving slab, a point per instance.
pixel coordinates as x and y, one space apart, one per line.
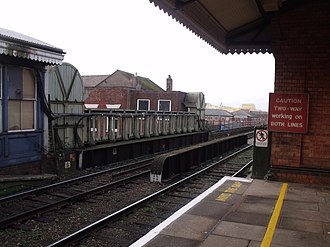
170 241
304 188
248 218
299 239
239 230
221 241
298 192
264 188
253 204
301 225
305 215
300 205
210 209
191 227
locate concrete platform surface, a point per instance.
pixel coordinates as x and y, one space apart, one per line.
239 212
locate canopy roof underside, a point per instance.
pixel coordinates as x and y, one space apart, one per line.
230 26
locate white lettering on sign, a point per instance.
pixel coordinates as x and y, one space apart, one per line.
295 125
277 124
281 115
295 108
288 112
280 108
290 101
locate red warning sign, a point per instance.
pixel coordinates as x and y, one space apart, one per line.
288 112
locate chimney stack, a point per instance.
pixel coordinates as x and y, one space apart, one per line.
136 82
169 83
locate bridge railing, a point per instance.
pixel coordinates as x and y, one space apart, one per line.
223 125
101 126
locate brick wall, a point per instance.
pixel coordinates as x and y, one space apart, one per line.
301 47
128 98
104 96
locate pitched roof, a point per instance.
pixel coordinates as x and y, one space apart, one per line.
19 45
258 113
93 80
217 112
146 83
242 113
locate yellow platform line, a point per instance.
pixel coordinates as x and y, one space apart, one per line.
273 220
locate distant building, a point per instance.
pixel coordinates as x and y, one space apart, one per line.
226 119
126 91
251 117
242 114
249 106
217 117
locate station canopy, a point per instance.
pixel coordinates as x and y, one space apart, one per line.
22 46
230 26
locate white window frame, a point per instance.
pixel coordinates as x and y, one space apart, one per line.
27 99
168 100
138 101
113 106
91 106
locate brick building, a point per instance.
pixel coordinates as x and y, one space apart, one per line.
126 91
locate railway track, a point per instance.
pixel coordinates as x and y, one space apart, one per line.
25 205
42 216
125 226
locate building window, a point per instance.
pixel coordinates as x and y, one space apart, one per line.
21 99
143 104
164 105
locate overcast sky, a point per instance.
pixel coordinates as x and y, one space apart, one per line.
101 36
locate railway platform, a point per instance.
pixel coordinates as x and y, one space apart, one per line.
239 212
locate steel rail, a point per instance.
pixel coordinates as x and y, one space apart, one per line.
66 182
243 169
84 232
27 214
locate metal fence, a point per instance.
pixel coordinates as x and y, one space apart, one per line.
222 125
100 126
